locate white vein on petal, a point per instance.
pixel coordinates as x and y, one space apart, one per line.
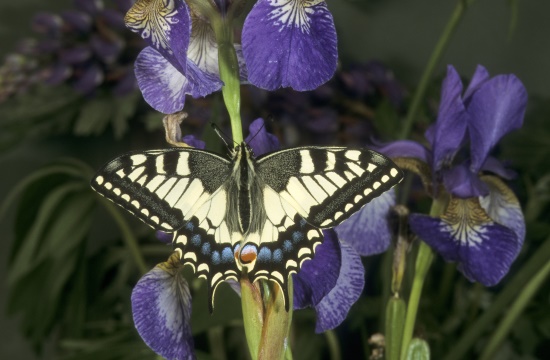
466 222
203 49
292 13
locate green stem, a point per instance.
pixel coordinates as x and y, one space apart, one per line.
127 235
424 260
434 60
515 311
510 292
229 74
333 345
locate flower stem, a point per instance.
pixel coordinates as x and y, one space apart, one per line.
229 73
526 275
434 60
423 262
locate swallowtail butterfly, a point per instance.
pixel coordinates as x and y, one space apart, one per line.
261 214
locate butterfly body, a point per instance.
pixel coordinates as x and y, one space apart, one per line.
261 214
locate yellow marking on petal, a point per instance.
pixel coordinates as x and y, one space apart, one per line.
153 19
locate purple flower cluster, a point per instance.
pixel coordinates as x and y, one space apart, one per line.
285 43
341 111
87 47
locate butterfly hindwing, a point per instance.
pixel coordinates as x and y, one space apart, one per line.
326 185
162 187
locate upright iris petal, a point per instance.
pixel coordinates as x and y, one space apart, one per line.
448 133
289 43
496 108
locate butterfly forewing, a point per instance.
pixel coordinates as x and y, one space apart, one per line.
326 185
162 187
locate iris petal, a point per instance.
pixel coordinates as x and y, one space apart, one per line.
404 148
260 140
462 183
165 25
503 207
334 307
318 276
480 77
368 230
161 306
483 249
289 43
449 131
162 85
496 108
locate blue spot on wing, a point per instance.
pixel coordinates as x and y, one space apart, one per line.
287 246
196 239
297 236
216 258
265 254
227 255
205 248
278 255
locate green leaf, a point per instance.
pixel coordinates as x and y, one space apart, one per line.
29 249
94 116
125 108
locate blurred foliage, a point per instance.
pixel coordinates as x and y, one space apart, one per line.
71 274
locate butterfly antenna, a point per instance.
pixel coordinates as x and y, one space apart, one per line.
225 138
270 119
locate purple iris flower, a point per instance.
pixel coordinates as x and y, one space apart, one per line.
285 43
482 228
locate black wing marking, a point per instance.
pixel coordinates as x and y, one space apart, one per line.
276 260
162 187
326 185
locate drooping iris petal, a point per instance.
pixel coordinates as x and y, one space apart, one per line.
165 25
462 183
260 140
368 231
496 108
483 249
334 308
503 207
289 43
480 76
162 85
318 276
161 306
448 133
